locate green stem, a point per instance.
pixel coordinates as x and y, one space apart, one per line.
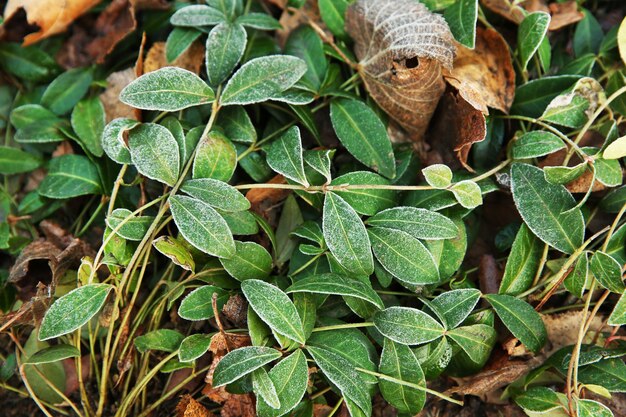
410 385
343 326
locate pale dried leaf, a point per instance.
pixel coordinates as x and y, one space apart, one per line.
401 47
51 17
191 59
188 407
508 9
113 107
484 75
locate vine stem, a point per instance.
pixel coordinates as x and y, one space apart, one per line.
343 326
410 385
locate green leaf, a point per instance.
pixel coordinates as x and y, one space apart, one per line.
449 253
88 120
538 400
70 176
224 48
134 228
438 175
178 41
241 222
216 157
175 251
259 21
27 114
342 374
260 79
320 161
365 201
230 8
521 319
335 284
217 194
577 280
306 305
616 149
290 378
455 305
562 174
274 308
284 156
607 271
547 209
467 193
346 236
113 139
237 125
172 124
532 98
399 362
197 305
521 266
251 261
197 15
407 326
241 362
476 341
29 63
363 134
307 45
608 373
73 310
264 388
618 315
535 144
591 408
403 256
16 161
461 17
419 223
530 34
44 131
587 36
154 151
310 230
165 340
66 90
167 89
202 226
333 13
53 354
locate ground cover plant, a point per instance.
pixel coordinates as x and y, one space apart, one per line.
312 208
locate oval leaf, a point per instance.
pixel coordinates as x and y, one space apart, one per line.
334 284
154 151
241 362
407 326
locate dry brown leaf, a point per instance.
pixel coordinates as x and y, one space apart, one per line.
265 201
291 18
563 329
239 406
191 59
457 126
51 16
188 407
485 76
489 274
402 48
562 14
236 310
219 346
113 107
508 9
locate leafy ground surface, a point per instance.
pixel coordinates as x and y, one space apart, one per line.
312 208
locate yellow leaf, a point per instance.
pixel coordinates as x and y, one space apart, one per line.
616 149
621 40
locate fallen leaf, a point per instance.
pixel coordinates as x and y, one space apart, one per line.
265 201
485 76
291 18
191 59
509 9
457 126
113 107
401 69
51 17
219 346
239 406
236 310
92 42
563 329
562 14
188 407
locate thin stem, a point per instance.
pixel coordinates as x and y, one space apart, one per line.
343 326
410 385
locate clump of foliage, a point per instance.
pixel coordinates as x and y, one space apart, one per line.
257 221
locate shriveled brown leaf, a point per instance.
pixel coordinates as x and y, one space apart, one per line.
236 310
50 16
113 107
265 201
188 407
219 346
484 75
401 47
239 406
509 9
92 42
563 329
562 14
190 60
456 127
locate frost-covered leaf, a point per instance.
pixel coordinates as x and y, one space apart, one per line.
194 346
197 305
535 144
577 280
224 48
346 236
202 226
197 15
476 341
166 340
73 310
216 157
467 193
251 261
154 151
216 193
547 209
320 161
530 34
363 134
264 388
461 16
88 120
401 47
438 175
284 156
363 200
521 266
241 362
133 227
407 326
70 176
274 308
607 271
290 377
260 21
591 408
113 139
335 284
538 400
176 251
167 89
260 79
455 305
419 223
